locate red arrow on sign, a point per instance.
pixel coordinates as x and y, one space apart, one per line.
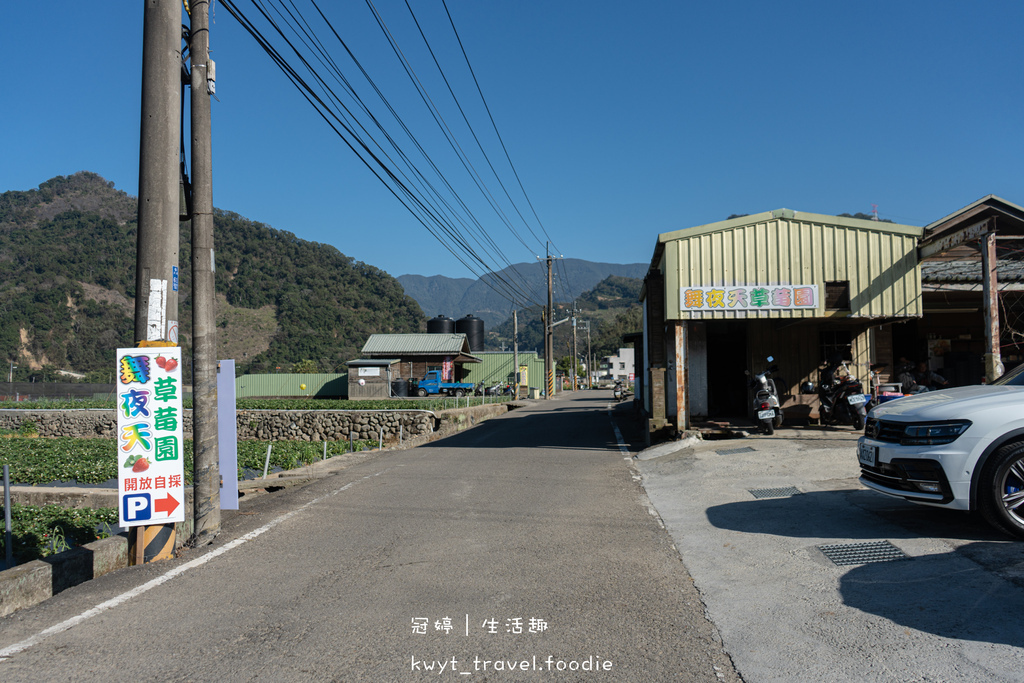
168 504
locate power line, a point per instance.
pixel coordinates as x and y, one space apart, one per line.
420 206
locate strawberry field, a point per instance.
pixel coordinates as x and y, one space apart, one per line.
41 531
95 461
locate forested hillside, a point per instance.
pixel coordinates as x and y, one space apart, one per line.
67 282
611 307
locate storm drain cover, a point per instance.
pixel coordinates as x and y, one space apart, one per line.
733 451
783 492
844 554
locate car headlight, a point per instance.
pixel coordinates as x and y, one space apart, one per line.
933 434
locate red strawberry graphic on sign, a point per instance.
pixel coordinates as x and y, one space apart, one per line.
170 365
161 361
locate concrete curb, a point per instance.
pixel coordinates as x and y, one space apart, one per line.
38 580
670 447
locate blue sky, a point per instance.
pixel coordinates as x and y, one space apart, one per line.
623 120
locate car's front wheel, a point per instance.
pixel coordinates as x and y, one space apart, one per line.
1001 490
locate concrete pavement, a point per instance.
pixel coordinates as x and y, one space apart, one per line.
523 549
786 612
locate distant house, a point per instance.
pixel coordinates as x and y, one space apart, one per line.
414 355
617 367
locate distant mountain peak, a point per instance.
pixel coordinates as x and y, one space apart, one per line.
457 297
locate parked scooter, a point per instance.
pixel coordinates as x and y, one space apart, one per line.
619 392
840 395
766 400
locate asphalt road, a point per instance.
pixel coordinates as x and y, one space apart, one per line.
951 611
523 549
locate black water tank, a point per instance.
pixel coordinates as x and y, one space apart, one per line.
400 388
442 324
473 328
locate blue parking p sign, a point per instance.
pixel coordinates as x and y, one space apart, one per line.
136 507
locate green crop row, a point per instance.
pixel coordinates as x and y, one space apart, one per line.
94 461
41 531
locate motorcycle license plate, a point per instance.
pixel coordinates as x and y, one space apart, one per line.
855 399
766 415
868 455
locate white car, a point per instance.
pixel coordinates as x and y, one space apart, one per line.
959 448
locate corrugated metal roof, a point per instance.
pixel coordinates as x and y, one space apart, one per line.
415 344
371 362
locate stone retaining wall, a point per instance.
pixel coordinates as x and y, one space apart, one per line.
281 425
270 425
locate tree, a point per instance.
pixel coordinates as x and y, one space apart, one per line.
306 366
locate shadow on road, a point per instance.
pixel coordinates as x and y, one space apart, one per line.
819 514
942 594
582 426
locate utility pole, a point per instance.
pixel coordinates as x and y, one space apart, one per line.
574 366
156 265
549 351
156 255
206 468
515 349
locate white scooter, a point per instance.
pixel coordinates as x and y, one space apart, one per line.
766 400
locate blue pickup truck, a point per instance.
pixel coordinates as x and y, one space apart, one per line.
432 384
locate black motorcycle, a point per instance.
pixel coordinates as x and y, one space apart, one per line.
840 396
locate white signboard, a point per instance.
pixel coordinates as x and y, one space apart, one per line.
748 298
369 372
150 447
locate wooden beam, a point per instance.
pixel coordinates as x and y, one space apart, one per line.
953 240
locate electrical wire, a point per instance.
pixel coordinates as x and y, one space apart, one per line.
344 123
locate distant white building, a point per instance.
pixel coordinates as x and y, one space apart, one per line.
617 367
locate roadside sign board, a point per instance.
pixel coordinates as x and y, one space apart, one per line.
150 443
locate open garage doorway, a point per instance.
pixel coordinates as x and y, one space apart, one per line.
727 360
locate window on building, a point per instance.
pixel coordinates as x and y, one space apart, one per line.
837 295
622 366
836 341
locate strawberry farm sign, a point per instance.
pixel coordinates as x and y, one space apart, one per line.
150 447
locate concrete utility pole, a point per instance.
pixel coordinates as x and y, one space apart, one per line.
157 246
515 349
206 474
549 364
573 369
156 265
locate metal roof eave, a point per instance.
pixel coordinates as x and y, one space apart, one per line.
371 362
788 214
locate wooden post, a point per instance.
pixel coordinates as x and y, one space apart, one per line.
990 294
682 416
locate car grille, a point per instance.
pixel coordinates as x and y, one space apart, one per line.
880 430
901 475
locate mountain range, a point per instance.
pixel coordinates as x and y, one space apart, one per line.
457 297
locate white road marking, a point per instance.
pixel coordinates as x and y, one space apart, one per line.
618 435
11 650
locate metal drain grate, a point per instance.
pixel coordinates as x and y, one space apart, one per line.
844 554
783 492
733 451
